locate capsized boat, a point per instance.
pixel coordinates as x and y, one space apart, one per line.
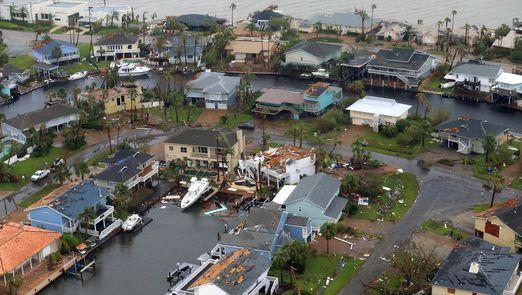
196 189
131 70
131 222
78 75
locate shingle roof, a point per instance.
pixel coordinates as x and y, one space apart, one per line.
278 96
471 128
123 165
9 69
476 68
336 207
249 239
199 20
203 137
20 242
401 58
266 14
35 118
297 220
319 189
346 19
47 49
236 272
318 49
118 39
492 276
263 220
212 82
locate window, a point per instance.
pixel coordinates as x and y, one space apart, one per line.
451 290
479 234
300 208
171 148
183 149
129 47
202 150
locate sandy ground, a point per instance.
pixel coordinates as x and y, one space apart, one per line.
512 172
361 246
209 117
351 132
368 226
428 241
158 151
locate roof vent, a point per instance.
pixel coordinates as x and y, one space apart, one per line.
474 267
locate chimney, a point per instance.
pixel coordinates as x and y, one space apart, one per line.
474 267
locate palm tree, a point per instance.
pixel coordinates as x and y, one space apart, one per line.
62 173
184 42
467 27
133 94
87 216
373 8
328 231
421 100
12 10
357 87
14 283
23 12
81 168
490 144
439 24
232 7
364 17
321 159
453 13
280 261
496 182
218 139
114 16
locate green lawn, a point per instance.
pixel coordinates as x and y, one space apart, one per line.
105 31
480 207
38 195
22 61
235 119
318 267
517 183
18 26
61 30
3 47
405 184
444 229
432 84
182 114
389 146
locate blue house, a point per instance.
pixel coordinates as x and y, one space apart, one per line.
48 53
316 197
62 209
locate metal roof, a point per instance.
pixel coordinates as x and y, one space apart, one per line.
379 106
318 49
211 82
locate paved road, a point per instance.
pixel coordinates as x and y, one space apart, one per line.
442 194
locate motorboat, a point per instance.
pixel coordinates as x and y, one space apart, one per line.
196 189
131 222
131 70
78 75
321 73
305 76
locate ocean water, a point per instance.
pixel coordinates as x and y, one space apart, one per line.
489 13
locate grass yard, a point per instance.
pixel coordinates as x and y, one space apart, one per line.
61 30
407 188
517 183
22 61
389 146
182 114
480 207
444 229
19 26
432 84
38 195
234 120
318 267
105 31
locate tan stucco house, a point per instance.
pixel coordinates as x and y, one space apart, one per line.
197 147
116 99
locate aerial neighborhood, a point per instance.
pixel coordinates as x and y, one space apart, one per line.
259 151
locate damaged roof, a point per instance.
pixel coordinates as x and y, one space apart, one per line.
471 128
509 212
277 158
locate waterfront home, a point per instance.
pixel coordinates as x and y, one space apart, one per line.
128 167
63 210
345 22
507 42
467 135
117 46
24 247
57 12
215 90
263 17
199 22
11 77
280 165
56 52
316 197
401 64
374 111
185 50
391 31
478 271
251 51
197 148
240 272
475 75
314 101
116 99
103 15
311 55
501 225
356 68
508 89
55 117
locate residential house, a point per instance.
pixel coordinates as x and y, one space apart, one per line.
478 271
467 135
280 165
406 65
507 42
263 17
24 247
356 68
197 148
391 31
56 52
312 55
11 77
116 99
374 111
501 225
57 12
128 167
508 89
251 51
240 272
216 90
200 22
62 210
425 34
314 101
475 75
188 50
317 197
345 22
54 117
117 46
103 15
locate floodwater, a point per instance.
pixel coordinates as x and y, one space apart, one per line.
469 11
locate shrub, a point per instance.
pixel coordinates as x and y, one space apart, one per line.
388 130
352 209
324 125
402 124
438 116
446 162
54 258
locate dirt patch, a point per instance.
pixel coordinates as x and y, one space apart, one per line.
373 227
359 247
351 132
209 118
447 159
158 151
512 172
428 241
341 172
18 216
463 220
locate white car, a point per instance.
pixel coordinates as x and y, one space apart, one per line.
40 174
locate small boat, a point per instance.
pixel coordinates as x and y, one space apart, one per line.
196 189
131 222
78 75
321 73
180 272
305 76
131 70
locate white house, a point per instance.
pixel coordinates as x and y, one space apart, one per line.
62 13
215 89
374 111
508 88
475 75
312 53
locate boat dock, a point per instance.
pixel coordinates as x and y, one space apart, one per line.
145 221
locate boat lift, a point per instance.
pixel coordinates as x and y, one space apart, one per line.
82 266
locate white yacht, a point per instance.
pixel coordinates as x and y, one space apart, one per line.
131 70
78 75
321 73
196 190
131 222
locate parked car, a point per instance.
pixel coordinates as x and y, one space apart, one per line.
247 126
40 174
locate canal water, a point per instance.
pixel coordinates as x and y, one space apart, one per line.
139 263
492 113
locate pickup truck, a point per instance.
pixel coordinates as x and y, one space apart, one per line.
40 174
